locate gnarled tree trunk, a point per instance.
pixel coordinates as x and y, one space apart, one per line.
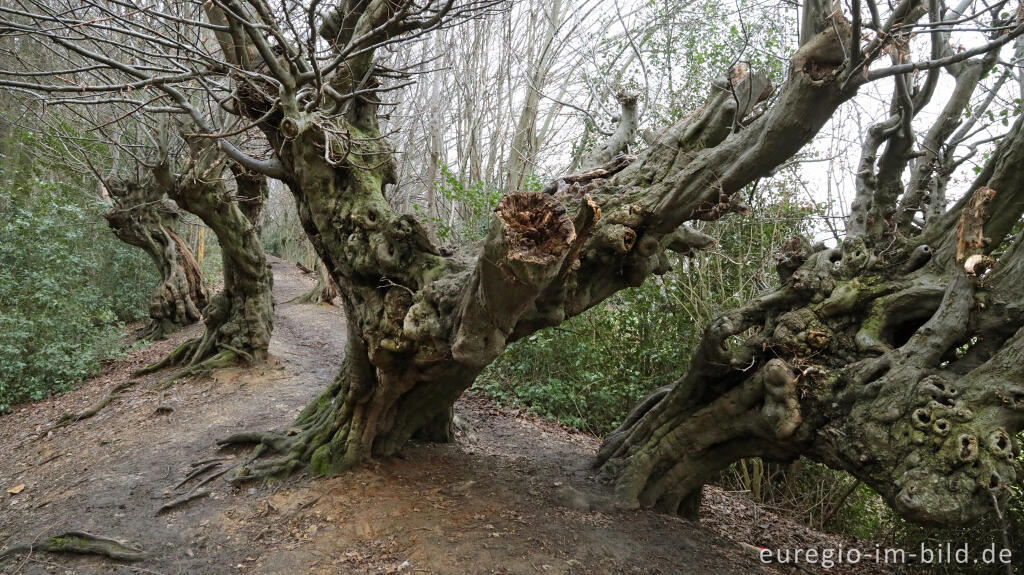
869 357
898 358
143 216
422 325
239 319
911 380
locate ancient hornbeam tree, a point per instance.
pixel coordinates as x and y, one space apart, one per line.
423 323
840 363
115 62
239 318
142 216
897 356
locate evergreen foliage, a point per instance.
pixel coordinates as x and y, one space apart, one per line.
67 285
589 371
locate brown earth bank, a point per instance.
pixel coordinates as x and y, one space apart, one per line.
514 493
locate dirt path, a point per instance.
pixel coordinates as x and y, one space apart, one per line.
513 495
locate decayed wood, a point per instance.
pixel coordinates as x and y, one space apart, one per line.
819 367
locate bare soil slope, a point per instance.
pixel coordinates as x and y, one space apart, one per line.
514 494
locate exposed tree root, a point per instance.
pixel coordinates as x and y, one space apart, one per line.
176 357
224 359
279 454
80 542
199 356
260 465
69 418
317 295
212 476
182 500
156 330
237 332
199 470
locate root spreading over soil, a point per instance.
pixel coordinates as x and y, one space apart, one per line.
513 494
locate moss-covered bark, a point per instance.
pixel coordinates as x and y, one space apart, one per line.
896 357
239 319
143 216
422 324
807 369
880 373
896 361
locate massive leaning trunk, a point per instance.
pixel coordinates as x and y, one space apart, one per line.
142 216
239 318
909 375
890 356
422 323
898 357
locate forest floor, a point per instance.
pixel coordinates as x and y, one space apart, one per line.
514 493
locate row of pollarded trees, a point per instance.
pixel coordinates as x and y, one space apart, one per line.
895 356
228 199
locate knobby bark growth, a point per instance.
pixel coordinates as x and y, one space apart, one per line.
239 318
422 324
907 374
143 216
897 356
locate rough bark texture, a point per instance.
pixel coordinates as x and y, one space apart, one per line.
239 318
897 358
423 324
143 216
911 380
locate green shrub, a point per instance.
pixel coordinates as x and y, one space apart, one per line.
472 204
589 371
66 283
